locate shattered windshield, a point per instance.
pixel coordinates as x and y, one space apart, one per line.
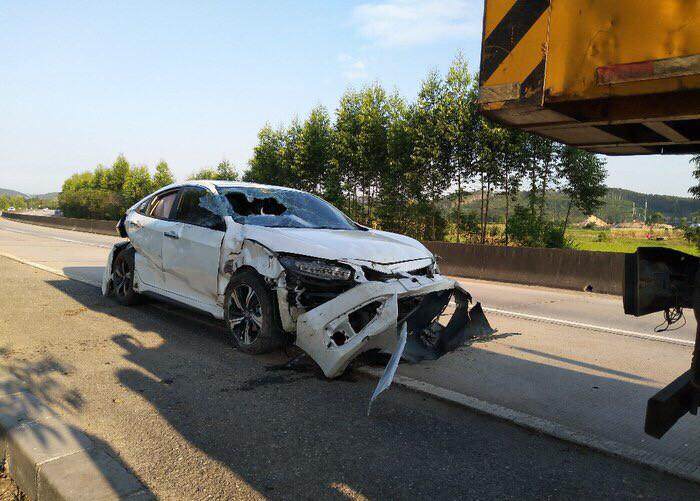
281 208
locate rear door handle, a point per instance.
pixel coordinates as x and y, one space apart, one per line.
171 234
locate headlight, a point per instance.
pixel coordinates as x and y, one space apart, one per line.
315 268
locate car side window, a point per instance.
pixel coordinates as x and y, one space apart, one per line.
191 210
142 208
162 205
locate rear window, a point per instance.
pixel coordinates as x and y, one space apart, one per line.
163 205
142 208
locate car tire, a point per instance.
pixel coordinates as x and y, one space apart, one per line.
250 314
123 270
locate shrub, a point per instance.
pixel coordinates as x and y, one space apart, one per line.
528 230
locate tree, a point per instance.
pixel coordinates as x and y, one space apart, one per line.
346 149
432 146
99 178
583 174
203 173
163 176
290 153
266 165
116 175
655 218
137 185
374 124
224 171
399 185
695 190
313 159
460 121
512 169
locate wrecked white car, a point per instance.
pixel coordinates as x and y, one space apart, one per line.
283 266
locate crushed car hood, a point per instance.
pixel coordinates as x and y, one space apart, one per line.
372 246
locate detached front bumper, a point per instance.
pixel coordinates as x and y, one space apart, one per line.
371 315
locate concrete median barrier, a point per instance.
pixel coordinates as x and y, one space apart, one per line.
560 268
67 223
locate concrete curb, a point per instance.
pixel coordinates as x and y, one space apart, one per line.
675 467
50 460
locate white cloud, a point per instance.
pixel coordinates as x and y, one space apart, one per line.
353 68
416 22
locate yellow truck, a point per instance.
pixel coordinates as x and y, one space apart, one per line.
617 77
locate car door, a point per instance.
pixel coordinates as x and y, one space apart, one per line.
146 228
191 256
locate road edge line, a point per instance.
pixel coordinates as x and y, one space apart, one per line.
48 269
677 468
591 327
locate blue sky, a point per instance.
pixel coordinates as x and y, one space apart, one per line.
193 82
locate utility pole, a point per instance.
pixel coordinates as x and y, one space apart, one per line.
645 211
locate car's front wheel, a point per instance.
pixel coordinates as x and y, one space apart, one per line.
123 277
250 314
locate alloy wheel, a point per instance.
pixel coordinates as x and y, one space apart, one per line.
245 314
123 278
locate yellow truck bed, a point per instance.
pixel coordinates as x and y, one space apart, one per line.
611 76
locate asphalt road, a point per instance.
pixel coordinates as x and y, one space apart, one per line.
194 419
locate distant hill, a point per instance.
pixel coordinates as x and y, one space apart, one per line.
621 205
47 196
44 196
11 193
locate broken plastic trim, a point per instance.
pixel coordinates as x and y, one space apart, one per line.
390 370
422 338
428 340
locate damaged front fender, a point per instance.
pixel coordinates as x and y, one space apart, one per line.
333 335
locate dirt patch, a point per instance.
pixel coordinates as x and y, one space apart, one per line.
8 489
74 312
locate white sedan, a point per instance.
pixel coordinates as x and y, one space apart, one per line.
283 266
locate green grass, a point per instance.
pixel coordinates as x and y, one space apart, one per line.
627 241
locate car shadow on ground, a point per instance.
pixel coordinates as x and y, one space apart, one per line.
292 434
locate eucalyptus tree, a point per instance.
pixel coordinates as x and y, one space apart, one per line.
695 190
312 162
461 123
162 176
374 125
583 176
432 146
116 175
346 148
400 183
266 165
138 184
